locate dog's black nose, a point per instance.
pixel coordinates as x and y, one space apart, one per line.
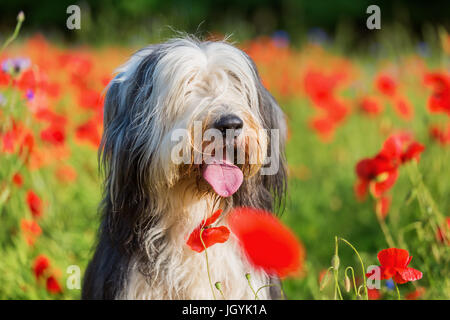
229 122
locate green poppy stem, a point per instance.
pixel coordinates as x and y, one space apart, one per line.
398 291
362 266
247 275
271 285
353 278
335 262
20 19
207 264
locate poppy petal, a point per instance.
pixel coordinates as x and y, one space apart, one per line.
413 152
393 257
212 219
267 243
378 188
399 279
361 188
411 274
210 236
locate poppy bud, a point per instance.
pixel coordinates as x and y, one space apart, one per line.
20 16
324 281
248 276
218 286
347 283
335 262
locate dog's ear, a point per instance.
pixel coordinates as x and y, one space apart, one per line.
268 189
124 157
274 180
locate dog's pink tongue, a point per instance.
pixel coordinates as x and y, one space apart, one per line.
224 177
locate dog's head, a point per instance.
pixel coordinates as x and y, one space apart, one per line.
191 111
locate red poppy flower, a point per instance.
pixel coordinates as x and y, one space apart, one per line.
53 285
66 174
34 204
210 235
17 179
441 135
382 206
89 132
394 146
40 265
394 264
416 294
27 81
268 244
26 146
324 126
412 152
439 100
403 108
400 149
374 294
54 134
320 87
90 99
18 136
378 174
443 233
31 230
50 116
322 274
381 172
4 78
370 106
386 84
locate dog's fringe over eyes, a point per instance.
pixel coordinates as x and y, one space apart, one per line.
150 205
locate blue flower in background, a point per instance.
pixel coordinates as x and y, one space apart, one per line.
15 65
318 35
423 49
281 38
29 95
390 284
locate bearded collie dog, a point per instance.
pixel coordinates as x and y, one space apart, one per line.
152 201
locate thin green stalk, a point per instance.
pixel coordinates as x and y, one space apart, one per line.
250 285
353 277
385 230
20 19
398 291
335 265
207 264
218 286
325 279
362 266
427 205
271 285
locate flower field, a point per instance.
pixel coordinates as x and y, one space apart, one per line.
368 153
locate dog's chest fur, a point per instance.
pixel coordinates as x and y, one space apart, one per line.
187 277
181 273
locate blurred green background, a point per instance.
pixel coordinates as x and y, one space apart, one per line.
128 21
